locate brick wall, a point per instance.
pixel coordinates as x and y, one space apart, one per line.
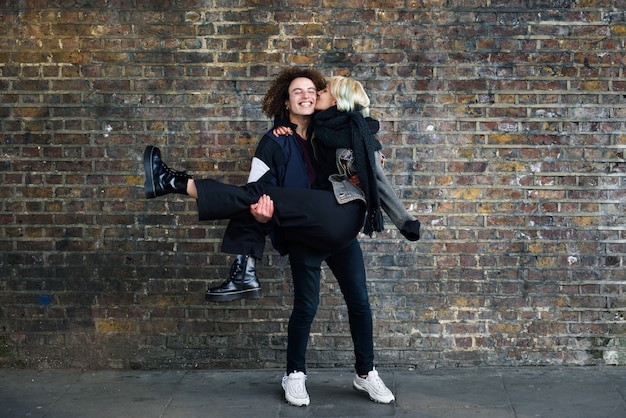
504 127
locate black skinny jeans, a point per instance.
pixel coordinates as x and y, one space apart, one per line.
348 267
307 216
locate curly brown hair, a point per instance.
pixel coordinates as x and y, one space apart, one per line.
278 92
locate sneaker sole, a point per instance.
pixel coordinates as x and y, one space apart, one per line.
148 186
361 390
228 297
297 404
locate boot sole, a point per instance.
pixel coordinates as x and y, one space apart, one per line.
228 297
148 186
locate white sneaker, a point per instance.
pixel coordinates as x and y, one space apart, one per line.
374 387
295 389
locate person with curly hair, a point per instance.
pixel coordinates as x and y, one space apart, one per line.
278 160
290 161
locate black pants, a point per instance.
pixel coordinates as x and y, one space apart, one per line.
308 216
348 268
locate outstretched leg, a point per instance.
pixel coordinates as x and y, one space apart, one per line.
309 216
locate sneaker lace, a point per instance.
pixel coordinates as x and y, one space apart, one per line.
297 385
377 383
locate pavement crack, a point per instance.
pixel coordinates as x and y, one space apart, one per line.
508 395
171 398
65 392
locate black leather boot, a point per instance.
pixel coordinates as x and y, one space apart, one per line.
160 179
242 283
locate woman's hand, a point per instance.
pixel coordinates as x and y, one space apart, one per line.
263 210
354 180
282 130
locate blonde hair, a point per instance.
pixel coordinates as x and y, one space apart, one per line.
348 93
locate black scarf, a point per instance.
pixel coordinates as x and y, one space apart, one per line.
337 129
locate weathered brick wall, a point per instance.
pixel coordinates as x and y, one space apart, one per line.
504 127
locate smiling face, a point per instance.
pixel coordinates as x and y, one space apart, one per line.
302 97
325 100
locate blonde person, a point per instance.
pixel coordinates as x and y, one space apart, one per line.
346 150
347 161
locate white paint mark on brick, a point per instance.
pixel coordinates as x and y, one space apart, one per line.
611 357
108 129
535 167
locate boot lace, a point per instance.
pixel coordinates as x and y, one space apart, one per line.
175 173
235 269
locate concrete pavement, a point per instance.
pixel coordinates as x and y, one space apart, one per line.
521 392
